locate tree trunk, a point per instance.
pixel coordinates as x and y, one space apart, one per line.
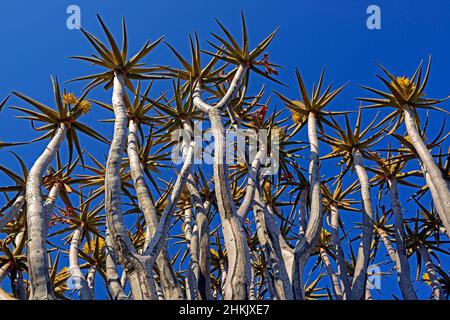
191 238
41 288
169 282
114 285
13 211
334 279
436 176
388 245
202 224
238 275
279 255
50 202
432 274
362 262
340 256
141 282
307 244
403 270
77 276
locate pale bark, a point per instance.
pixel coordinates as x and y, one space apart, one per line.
159 239
362 261
388 245
191 241
307 244
253 176
302 213
432 273
114 285
202 224
50 202
141 282
169 282
437 203
238 275
279 255
90 278
442 194
403 270
334 278
342 271
13 211
37 221
252 294
77 276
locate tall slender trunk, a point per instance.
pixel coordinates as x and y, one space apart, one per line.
432 274
141 282
50 202
13 211
437 203
252 183
442 194
334 278
191 241
202 225
388 245
403 270
279 255
238 275
169 282
77 276
41 288
362 261
90 278
114 285
342 271
302 212
307 244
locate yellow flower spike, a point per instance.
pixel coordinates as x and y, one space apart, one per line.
406 85
89 247
297 117
85 107
69 98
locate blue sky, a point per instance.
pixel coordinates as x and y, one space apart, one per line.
36 43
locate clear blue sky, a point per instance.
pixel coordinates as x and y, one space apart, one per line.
36 44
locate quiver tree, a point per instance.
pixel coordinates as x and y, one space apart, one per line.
407 96
148 222
352 147
59 124
388 174
310 110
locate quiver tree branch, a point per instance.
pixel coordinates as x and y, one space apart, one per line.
78 278
402 265
169 282
37 220
362 262
13 211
